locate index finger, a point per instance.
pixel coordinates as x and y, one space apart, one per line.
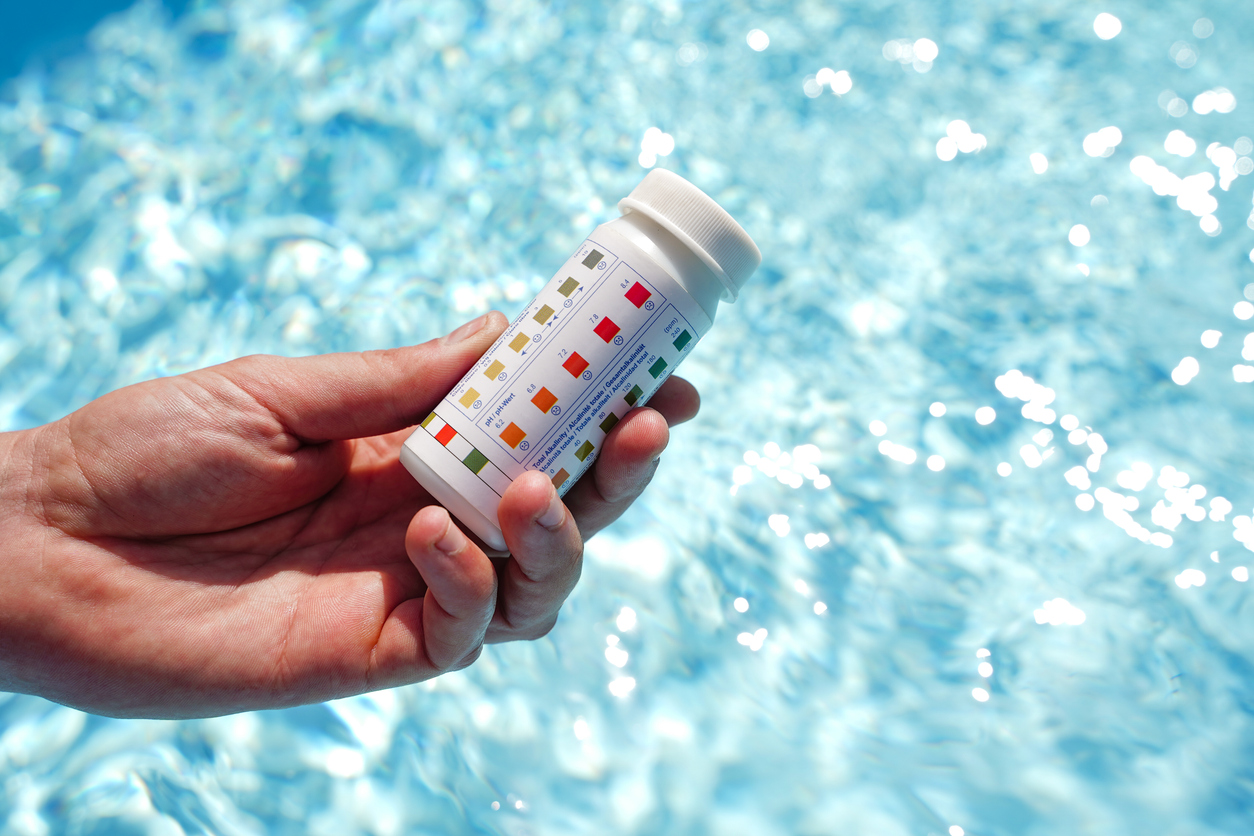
358 394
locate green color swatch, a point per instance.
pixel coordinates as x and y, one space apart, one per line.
475 461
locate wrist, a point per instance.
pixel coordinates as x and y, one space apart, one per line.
23 552
15 478
22 481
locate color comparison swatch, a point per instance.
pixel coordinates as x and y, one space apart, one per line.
595 342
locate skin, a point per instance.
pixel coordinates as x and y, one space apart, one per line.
244 536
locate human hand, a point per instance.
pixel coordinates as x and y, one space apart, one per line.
244 536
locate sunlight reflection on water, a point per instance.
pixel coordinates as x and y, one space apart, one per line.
928 433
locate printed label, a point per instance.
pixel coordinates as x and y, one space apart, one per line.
598 340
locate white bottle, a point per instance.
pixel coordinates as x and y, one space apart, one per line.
598 340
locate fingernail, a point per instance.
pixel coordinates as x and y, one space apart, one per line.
468 330
554 515
453 540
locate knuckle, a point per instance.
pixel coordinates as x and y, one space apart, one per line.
469 659
540 629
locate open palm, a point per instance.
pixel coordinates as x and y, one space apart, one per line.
244 536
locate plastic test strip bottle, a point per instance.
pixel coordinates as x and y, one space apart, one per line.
598 340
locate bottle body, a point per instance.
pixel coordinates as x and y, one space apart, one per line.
597 341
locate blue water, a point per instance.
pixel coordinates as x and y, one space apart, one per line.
805 660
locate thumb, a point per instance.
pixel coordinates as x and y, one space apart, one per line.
361 394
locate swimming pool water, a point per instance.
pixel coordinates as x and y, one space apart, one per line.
831 613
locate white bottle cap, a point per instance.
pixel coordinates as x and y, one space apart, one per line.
702 225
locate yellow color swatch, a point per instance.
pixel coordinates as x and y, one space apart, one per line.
493 370
542 315
519 342
467 400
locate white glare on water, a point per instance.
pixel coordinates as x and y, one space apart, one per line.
1102 143
898 452
1179 143
1040 163
1219 100
655 144
754 640
757 40
839 81
1107 26
1031 455
626 620
1079 235
622 686
960 137
1059 612
1190 577
936 410
1185 371
985 415
1078 477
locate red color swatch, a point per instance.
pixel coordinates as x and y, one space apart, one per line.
606 329
445 435
638 294
575 364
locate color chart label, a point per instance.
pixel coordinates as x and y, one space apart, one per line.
598 340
